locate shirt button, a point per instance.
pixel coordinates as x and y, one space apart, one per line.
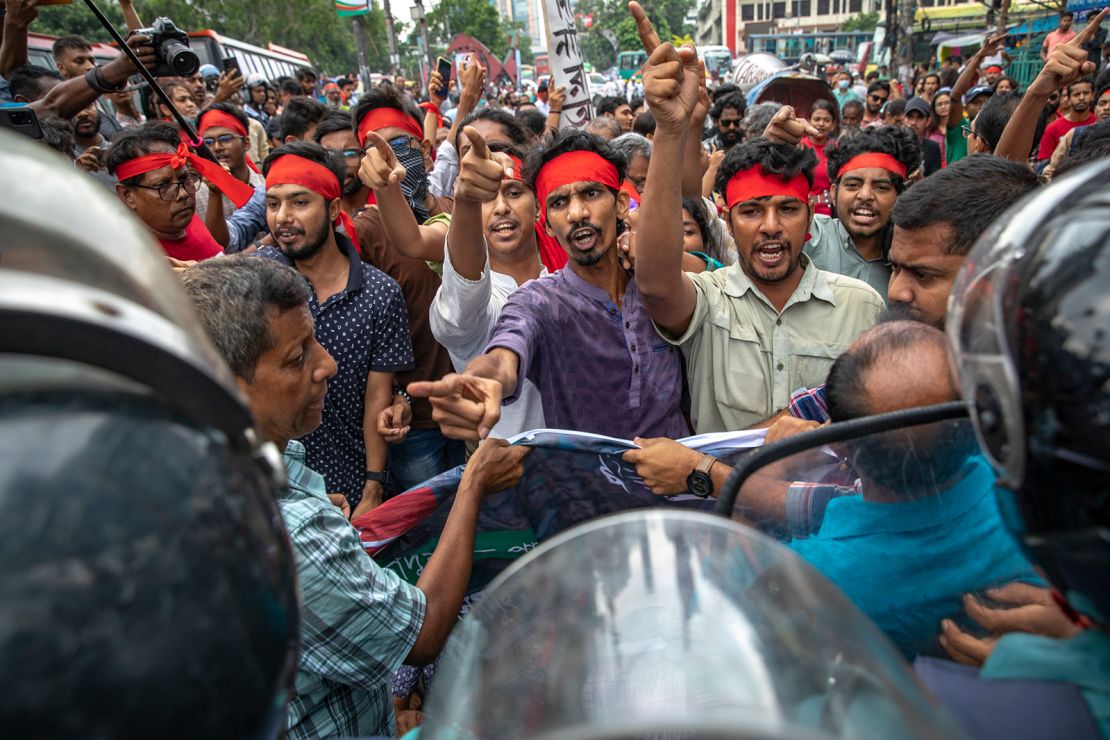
637 368
634 348
778 322
779 366
628 325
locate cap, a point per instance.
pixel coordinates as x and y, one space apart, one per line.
976 92
918 105
209 70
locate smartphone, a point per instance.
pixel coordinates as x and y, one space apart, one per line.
443 66
21 119
231 66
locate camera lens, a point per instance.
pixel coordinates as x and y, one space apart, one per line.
180 58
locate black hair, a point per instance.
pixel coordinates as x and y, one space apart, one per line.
608 105
984 186
1087 80
310 151
644 125
344 81
532 120
878 85
932 74
1102 81
1067 14
697 210
722 90
299 115
332 122
25 81
777 159
1089 144
290 87
854 104
949 77
993 117
306 72
894 107
514 129
897 141
135 142
636 102
388 96
66 43
572 140
733 100
232 110
829 107
57 133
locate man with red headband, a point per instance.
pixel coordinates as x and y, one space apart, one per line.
868 173
226 131
389 130
752 332
360 318
491 250
158 180
581 335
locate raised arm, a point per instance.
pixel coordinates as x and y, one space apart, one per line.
130 17
691 162
671 91
74 95
18 15
472 80
1067 63
969 77
479 181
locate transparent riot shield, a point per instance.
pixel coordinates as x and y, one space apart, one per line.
672 624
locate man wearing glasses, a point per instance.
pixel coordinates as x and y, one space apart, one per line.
727 113
334 133
158 182
224 128
878 92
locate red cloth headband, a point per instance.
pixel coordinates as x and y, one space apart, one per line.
238 191
874 159
290 169
211 118
434 109
518 168
754 183
380 118
574 167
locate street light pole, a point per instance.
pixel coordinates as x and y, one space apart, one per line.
421 17
394 58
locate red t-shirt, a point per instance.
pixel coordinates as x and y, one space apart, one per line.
821 182
197 244
1057 130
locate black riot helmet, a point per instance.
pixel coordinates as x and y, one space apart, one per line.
147 585
1029 321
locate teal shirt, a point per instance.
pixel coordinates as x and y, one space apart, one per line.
832 250
1083 661
908 564
358 620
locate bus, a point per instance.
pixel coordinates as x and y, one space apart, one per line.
629 63
271 62
718 60
40 50
789 47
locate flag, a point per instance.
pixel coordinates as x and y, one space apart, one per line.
347 8
570 478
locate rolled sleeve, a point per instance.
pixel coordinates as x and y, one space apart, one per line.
460 315
358 621
701 312
441 180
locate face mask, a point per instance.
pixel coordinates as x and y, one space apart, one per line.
415 185
842 84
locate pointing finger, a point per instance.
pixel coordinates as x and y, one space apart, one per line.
477 143
383 147
1092 27
648 37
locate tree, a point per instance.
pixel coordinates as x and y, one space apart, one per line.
477 18
862 22
668 17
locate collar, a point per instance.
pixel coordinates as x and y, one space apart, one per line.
354 274
852 516
295 451
575 282
849 245
813 284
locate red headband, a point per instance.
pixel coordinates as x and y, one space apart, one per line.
431 107
211 118
289 169
518 168
574 167
754 183
874 159
380 118
239 192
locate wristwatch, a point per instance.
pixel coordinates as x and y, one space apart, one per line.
698 482
380 477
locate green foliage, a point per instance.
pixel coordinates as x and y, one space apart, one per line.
861 22
477 18
668 17
308 26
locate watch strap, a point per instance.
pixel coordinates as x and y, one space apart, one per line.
705 464
380 477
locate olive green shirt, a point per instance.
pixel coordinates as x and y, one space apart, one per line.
743 358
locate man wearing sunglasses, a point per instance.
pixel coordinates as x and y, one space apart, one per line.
158 180
878 92
224 128
727 113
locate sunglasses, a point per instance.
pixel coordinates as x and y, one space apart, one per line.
734 123
880 98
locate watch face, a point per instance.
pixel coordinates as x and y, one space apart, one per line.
699 483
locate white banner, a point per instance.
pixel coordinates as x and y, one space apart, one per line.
567 69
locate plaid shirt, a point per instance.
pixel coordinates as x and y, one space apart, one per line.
806 504
358 621
809 404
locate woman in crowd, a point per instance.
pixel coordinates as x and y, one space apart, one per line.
823 117
938 126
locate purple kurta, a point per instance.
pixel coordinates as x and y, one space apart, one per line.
599 367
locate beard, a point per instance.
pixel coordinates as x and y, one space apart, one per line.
897 311
313 243
595 253
754 268
352 185
729 136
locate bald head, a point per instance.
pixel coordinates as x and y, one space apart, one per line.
892 366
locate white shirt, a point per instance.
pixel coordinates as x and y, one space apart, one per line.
462 318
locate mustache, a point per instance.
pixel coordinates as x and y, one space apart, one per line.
582 225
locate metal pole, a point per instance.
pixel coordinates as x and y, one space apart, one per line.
359 27
394 59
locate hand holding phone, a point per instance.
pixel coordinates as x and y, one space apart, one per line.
443 66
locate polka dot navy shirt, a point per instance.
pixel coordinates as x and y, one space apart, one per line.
365 328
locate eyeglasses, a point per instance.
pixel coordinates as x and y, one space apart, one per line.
168 190
733 123
222 138
410 141
880 98
967 130
347 153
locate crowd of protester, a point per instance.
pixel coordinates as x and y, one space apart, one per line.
394 278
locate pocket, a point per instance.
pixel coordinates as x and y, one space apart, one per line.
812 361
741 370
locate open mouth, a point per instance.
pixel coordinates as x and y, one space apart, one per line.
770 255
287 236
504 229
584 239
865 216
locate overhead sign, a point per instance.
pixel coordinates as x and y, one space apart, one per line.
567 68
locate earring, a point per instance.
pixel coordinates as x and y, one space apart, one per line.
808 236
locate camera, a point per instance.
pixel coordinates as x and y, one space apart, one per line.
171 48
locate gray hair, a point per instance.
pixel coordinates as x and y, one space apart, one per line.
604 123
757 118
232 296
630 145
